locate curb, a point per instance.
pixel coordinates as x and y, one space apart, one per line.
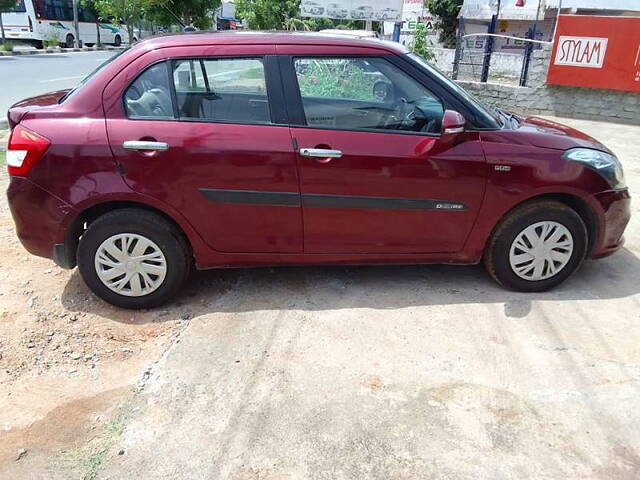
57 50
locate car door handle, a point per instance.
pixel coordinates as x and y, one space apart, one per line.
145 145
320 152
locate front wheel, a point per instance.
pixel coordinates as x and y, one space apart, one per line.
69 41
536 247
133 258
117 41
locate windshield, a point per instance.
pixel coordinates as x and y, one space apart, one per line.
490 112
18 7
88 77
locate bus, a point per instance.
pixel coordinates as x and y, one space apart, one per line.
36 21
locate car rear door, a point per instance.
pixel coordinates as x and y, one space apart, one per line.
370 182
202 129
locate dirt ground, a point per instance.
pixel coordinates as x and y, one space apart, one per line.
372 372
66 359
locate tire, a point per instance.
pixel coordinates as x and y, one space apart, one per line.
69 41
117 41
141 227
506 246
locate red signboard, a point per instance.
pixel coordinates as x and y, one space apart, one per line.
596 52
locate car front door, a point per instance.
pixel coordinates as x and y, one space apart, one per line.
201 129
376 174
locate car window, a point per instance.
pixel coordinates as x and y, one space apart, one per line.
364 94
149 96
222 90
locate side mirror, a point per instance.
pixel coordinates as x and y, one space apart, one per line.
452 123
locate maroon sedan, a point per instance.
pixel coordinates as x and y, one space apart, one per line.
238 149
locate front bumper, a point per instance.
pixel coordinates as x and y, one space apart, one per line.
38 216
615 215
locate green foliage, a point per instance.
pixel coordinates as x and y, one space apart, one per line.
421 43
51 38
6 47
191 12
267 14
130 11
284 14
339 79
445 13
5 5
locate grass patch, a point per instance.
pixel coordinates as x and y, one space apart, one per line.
87 461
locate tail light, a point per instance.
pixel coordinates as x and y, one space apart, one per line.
25 148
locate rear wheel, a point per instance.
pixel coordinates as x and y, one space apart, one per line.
536 247
133 258
69 41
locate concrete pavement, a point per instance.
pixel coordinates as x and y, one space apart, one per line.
398 372
30 75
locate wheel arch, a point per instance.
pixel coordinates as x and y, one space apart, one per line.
78 225
575 202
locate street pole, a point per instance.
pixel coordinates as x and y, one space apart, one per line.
76 42
2 28
486 61
555 28
397 27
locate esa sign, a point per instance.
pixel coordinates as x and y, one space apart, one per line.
581 51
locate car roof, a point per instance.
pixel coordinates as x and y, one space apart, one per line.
268 38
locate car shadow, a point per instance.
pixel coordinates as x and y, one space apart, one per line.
375 287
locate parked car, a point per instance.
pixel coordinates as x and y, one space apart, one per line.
311 8
364 12
337 11
328 150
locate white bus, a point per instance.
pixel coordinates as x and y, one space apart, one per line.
34 21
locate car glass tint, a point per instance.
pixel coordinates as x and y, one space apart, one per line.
222 90
485 109
365 94
149 95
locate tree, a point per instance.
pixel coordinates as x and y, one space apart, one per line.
420 43
267 14
445 13
129 11
92 7
5 6
190 12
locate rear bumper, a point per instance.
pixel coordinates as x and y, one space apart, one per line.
616 213
38 217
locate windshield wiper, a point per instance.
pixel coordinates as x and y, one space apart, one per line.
509 116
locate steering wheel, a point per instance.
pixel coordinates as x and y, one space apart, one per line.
397 116
415 119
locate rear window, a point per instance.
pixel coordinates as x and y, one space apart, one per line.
230 90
